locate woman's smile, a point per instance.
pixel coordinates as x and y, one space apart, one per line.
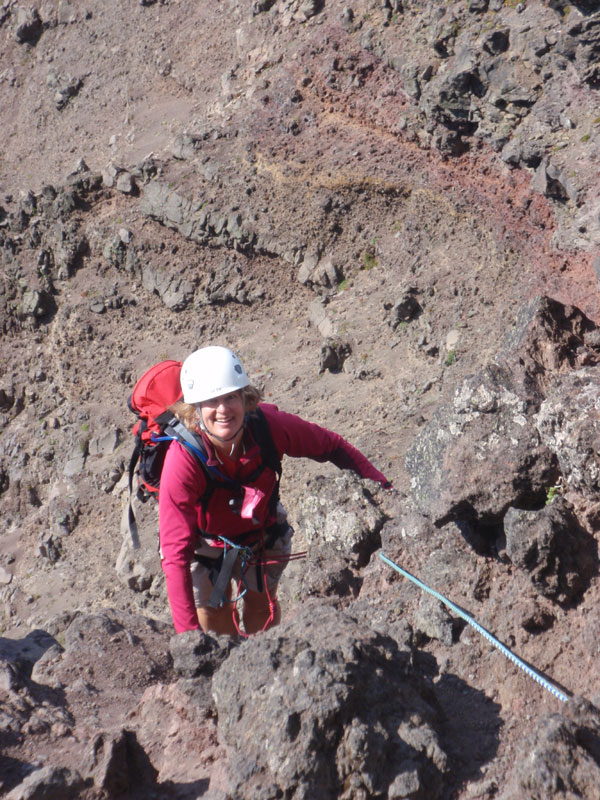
223 416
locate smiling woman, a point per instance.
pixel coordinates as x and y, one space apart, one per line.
219 514
222 419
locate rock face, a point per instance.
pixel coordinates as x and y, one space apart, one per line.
569 424
340 521
487 423
553 548
359 199
341 515
492 423
328 709
563 760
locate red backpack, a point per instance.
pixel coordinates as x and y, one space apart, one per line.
153 394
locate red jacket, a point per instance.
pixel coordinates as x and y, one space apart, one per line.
183 482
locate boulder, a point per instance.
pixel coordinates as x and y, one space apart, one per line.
316 271
49 783
340 522
563 756
34 304
186 145
480 454
490 427
332 709
545 340
118 765
175 291
569 425
551 546
340 515
28 25
225 285
194 653
552 181
333 355
320 319
405 308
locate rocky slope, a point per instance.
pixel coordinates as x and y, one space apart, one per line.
391 211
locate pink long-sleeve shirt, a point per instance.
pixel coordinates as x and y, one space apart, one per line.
183 482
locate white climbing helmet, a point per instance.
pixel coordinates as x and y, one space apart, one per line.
211 372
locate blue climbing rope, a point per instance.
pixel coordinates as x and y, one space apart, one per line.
481 630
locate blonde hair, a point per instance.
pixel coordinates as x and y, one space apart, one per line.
188 412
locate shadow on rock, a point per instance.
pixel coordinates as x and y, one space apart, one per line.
12 771
23 653
482 538
27 702
185 791
119 766
470 731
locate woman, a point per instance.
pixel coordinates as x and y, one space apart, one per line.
207 509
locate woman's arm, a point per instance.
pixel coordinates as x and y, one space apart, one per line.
294 436
182 483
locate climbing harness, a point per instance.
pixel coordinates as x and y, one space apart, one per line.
231 552
249 557
481 630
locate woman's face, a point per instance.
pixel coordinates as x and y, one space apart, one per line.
223 416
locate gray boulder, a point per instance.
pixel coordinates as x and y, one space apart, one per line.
484 432
341 515
554 182
192 219
49 783
331 709
225 285
34 304
340 522
333 355
490 427
194 653
569 425
563 757
28 25
176 292
552 548
187 145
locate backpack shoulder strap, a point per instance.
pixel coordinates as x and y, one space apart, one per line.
175 429
259 427
194 444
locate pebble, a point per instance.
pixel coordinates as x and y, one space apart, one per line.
5 576
452 339
98 306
